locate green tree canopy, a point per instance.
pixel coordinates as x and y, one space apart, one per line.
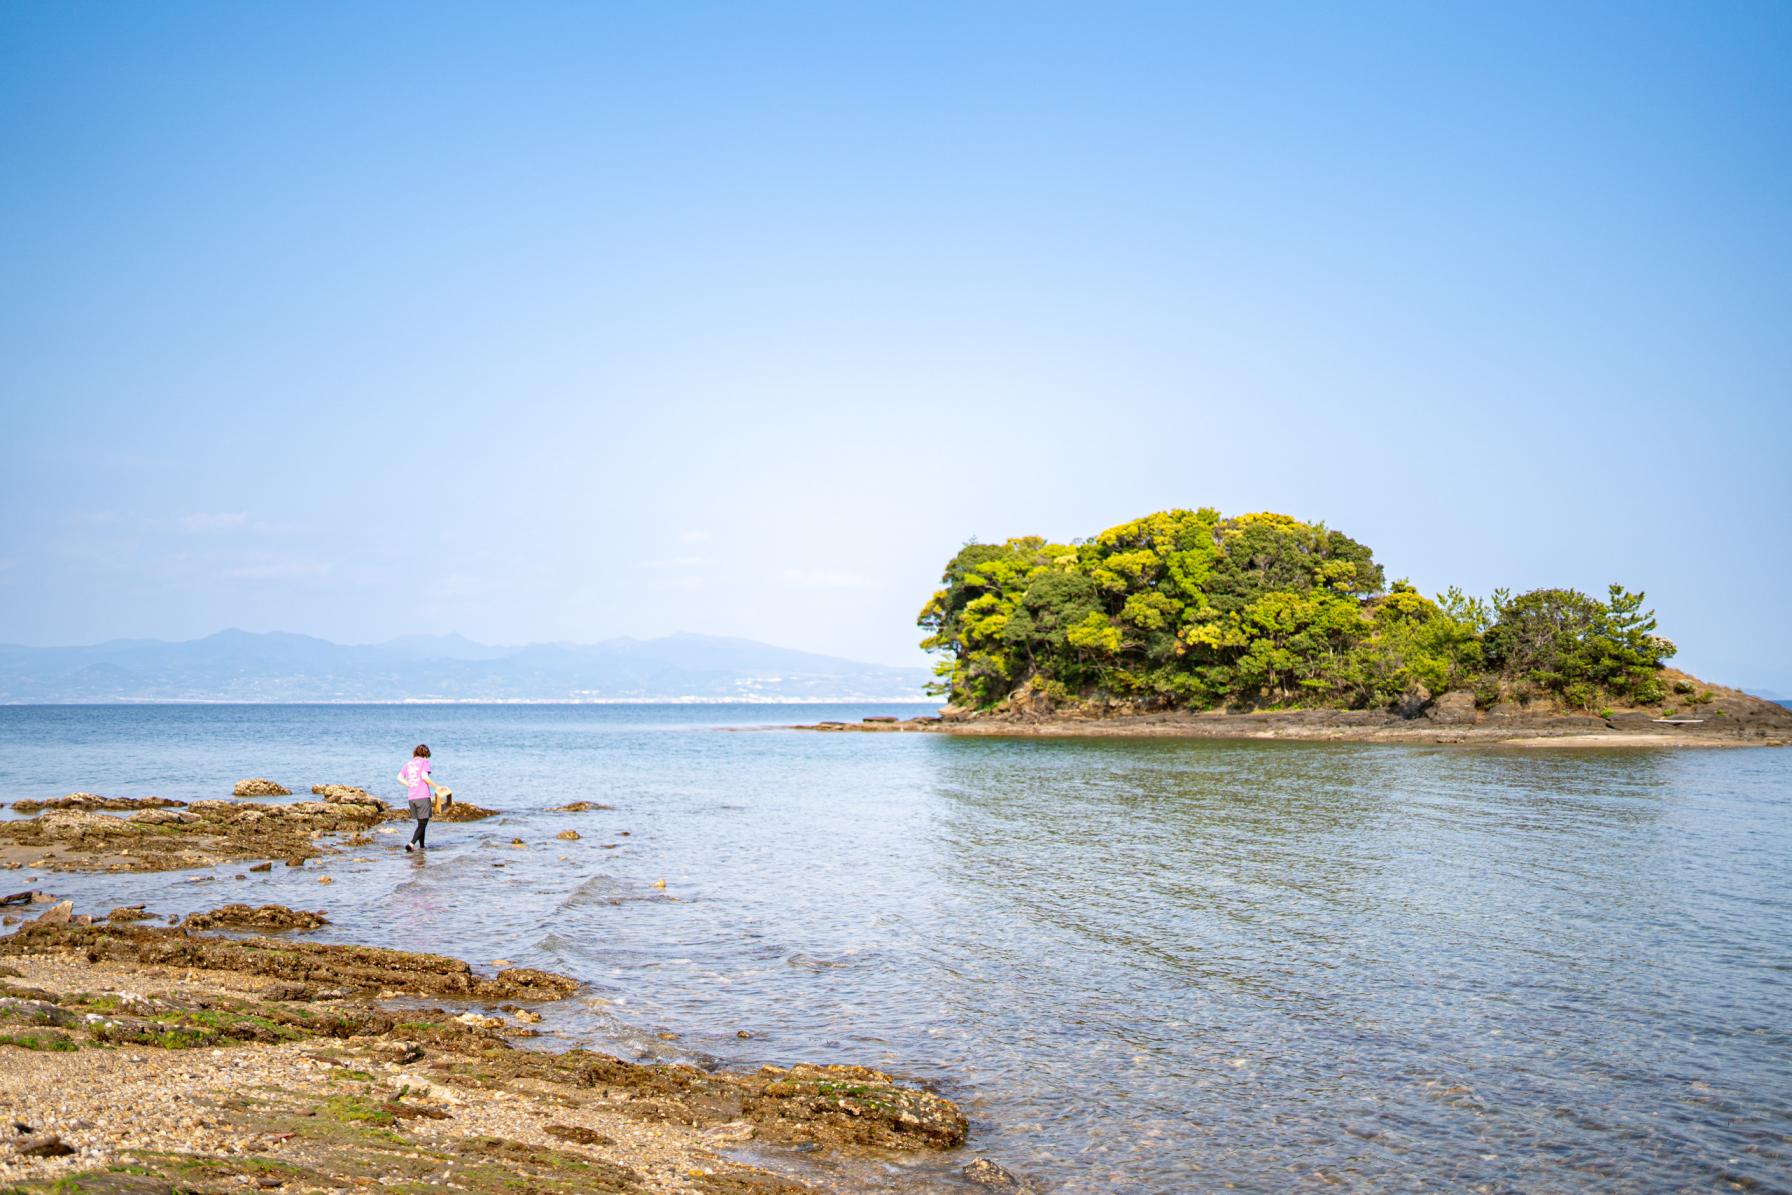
1187 608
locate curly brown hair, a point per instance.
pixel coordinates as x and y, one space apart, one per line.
422 749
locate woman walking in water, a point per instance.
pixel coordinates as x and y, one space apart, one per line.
415 777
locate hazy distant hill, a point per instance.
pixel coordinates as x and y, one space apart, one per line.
240 666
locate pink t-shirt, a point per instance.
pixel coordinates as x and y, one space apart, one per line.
413 775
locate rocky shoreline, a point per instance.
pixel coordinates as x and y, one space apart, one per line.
222 1051
162 1059
88 832
1713 716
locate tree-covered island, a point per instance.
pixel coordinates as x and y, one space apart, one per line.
1186 609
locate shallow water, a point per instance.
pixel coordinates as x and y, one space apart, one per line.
1146 966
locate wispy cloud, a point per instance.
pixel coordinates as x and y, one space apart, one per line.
202 523
692 537
676 562
276 570
825 579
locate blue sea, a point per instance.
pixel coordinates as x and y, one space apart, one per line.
1144 966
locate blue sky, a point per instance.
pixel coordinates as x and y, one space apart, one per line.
564 322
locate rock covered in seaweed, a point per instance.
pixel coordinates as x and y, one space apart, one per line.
465 811
505 1118
267 917
364 969
94 801
346 794
202 834
259 787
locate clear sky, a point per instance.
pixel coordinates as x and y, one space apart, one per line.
565 322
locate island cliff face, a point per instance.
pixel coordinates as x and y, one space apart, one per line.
1187 618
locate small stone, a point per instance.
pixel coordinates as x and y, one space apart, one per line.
743 1034
733 1133
568 835
527 1017
325 880
578 1134
268 866
47 1145
661 884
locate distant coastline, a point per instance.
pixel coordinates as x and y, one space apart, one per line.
236 666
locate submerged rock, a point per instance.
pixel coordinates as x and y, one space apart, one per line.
985 1173
578 807
259 787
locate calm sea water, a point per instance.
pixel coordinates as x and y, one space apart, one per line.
1140 966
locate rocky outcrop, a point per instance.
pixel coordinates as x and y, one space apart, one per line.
94 801
202 834
1455 708
267 917
464 811
60 913
259 787
346 794
1695 714
352 968
431 1089
164 817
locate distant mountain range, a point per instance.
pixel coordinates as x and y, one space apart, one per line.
240 666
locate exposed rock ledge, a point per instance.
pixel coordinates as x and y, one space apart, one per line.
1719 717
291 1070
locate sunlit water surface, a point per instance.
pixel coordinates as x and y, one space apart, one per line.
1139 966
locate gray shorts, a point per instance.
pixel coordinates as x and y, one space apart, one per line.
420 810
